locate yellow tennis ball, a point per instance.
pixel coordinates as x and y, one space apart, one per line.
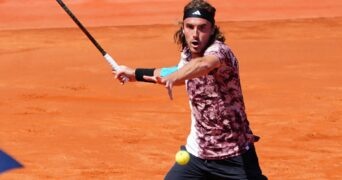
182 157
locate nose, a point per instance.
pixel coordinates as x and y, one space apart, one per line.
195 32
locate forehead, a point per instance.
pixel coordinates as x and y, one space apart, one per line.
196 21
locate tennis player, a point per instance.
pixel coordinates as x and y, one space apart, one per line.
220 143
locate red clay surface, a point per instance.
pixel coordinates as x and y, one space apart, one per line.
64 116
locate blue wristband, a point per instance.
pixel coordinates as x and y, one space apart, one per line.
167 71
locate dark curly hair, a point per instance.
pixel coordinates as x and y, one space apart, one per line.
179 36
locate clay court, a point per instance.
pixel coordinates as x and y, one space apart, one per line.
64 116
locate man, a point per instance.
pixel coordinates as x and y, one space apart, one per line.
220 142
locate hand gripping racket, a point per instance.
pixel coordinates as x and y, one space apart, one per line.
107 57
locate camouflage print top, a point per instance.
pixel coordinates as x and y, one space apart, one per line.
219 127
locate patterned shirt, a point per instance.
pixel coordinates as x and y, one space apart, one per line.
219 127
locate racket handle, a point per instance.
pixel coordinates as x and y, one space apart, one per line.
114 64
111 61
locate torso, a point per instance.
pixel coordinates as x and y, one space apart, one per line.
219 127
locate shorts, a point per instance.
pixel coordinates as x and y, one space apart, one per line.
243 167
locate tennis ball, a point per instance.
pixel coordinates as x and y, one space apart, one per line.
182 157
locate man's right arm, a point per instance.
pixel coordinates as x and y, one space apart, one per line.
139 73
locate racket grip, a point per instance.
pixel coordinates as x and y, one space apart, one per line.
111 61
114 64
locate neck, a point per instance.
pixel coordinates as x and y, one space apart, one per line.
196 55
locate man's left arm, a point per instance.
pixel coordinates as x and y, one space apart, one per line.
195 68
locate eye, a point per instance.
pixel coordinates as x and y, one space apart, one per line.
202 27
189 26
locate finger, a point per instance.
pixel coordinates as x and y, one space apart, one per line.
117 74
160 80
120 75
150 78
122 79
169 89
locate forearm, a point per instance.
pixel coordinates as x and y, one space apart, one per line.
139 73
195 68
155 72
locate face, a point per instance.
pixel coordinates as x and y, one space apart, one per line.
197 32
